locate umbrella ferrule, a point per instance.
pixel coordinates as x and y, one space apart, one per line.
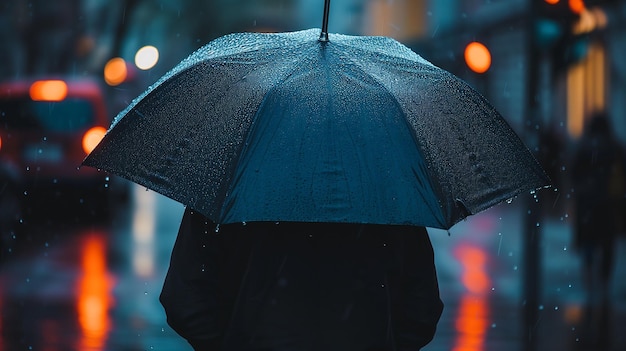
324 34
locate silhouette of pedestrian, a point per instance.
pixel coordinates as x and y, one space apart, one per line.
597 177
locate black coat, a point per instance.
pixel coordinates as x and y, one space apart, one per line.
301 286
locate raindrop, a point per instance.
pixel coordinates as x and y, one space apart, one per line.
145 293
537 225
514 268
565 248
493 325
244 223
556 308
217 228
540 307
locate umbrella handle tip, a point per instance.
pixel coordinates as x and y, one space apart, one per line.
323 37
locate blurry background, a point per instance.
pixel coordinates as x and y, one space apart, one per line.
89 280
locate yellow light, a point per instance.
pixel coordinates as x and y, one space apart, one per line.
115 71
146 57
92 138
477 57
48 90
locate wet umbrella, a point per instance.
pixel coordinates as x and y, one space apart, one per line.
318 128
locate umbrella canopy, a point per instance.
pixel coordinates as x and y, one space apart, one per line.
289 127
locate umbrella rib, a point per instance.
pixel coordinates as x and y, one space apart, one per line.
406 55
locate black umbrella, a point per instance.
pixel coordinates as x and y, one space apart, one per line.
302 127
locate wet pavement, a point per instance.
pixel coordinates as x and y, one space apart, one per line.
95 286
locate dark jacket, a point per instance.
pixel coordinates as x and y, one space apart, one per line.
301 286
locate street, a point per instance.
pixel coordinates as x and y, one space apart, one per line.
95 286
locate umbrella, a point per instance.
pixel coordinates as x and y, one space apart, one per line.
311 127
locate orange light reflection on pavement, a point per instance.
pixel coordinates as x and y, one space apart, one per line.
472 320
94 294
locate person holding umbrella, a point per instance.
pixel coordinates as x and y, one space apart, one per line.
311 167
301 286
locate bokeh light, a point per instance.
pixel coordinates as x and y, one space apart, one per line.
48 90
146 57
577 6
477 57
92 138
115 71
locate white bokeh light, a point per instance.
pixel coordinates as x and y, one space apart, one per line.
146 57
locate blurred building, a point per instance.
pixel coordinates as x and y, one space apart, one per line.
551 75
530 81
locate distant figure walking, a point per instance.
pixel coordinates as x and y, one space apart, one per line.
598 180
